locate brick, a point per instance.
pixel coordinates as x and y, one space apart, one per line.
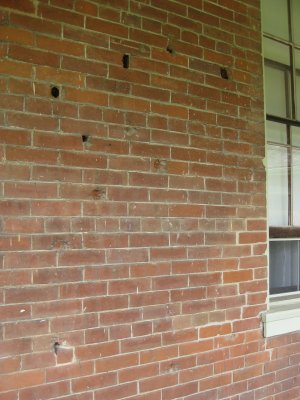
18 277
10 207
9 396
185 389
51 208
46 391
106 303
31 294
22 379
53 13
94 381
195 374
87 67
29 260
35 56
35 24
27 190
119 317
92 351
38 360
26 6
81 257
237 276
58 373
214 330
12 348
79 290
117 392
158 382
106 27
57 141
56 174
125 103
61 46
137 373
12 312
53 75
55 308
28 121
85 96
15 68
10 365
48 276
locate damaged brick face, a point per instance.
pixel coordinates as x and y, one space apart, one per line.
133 215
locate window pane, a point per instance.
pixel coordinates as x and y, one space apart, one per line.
277 186
276 51
297 79
296 185
276 84
295 20
295 136
275 18
284 259
276 132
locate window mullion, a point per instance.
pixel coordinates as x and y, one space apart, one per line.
289 171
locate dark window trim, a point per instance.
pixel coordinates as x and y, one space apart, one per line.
282 120
284 232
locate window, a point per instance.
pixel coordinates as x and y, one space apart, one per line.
281 49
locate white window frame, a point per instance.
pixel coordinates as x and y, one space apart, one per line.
283 314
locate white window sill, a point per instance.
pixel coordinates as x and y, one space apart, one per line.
282 317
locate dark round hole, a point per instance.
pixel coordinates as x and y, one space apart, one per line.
224 73
125 61
55 91
170 50
56 346
84 138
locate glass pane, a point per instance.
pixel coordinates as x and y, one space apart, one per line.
297 94
275 17
295 136
276 84
277 186
276 132
297 60
296 185
284 260
276 51
295 20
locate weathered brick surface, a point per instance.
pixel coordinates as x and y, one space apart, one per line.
133 219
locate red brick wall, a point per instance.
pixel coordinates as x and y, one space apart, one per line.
133 230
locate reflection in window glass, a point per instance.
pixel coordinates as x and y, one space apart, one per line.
297 97
278 185
295 20
284 262
276 51
297 94
296 186
295 135
276 83
275 18
276 132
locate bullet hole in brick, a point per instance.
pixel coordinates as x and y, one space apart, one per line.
160 165
156 164
84 138
125 61
54 92
98 194
170 50
56 347
224 73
